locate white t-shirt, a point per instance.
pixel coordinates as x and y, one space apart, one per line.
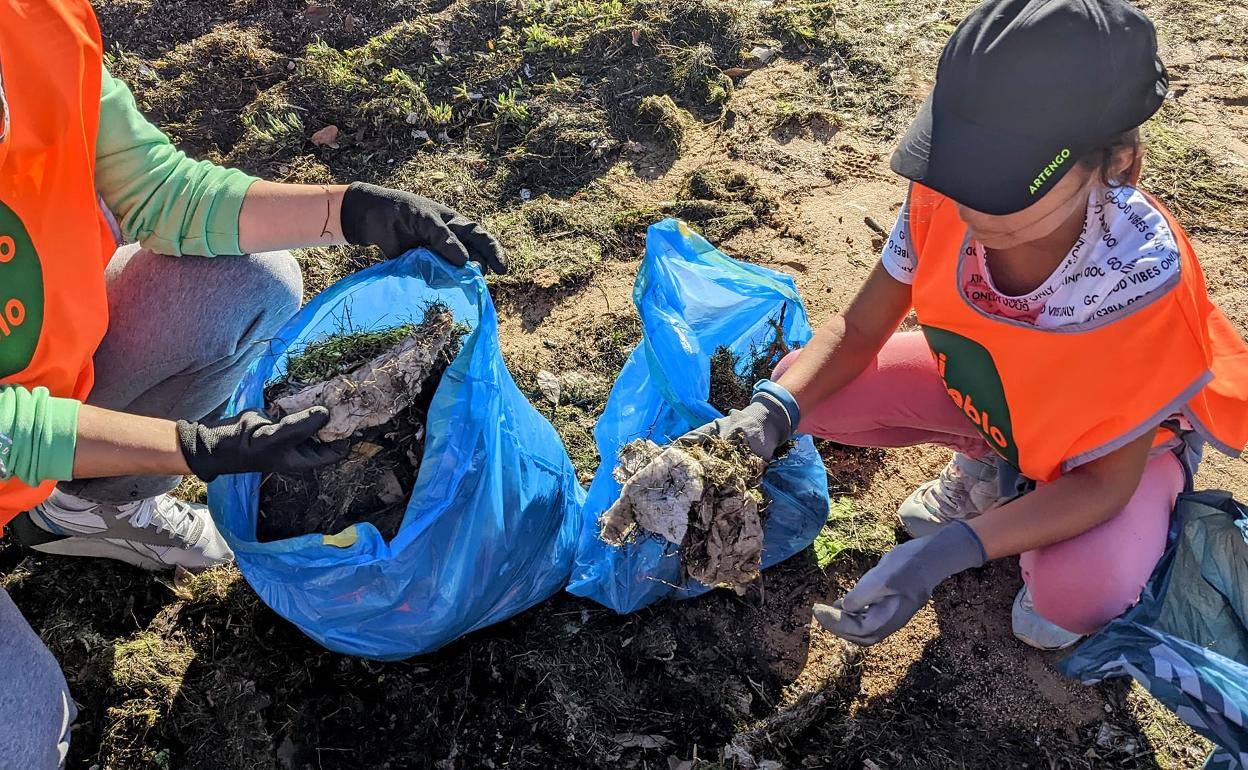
1126 252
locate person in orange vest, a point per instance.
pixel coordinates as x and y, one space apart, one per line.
1069 352
115 361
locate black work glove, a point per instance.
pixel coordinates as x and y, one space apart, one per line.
398 221
251 442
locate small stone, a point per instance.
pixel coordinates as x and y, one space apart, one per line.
326 137
763 54
548 383
579 387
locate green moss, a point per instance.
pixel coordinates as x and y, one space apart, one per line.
341 352
850 528
232 64
659 116
575 426
151 665
272 129
697 76
551 241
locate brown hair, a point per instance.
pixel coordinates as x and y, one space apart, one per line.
1102 159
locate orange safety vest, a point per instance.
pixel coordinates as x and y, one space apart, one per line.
54 240
1051 400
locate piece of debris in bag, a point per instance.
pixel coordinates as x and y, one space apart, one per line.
377 386
706 498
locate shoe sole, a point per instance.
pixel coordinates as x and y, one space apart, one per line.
1035 645
1015 614
26 533
99 548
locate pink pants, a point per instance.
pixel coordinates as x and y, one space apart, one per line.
1079 584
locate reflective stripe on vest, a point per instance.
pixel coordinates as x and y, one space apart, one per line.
54 243
1050 400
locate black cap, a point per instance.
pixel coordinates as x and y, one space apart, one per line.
1024 89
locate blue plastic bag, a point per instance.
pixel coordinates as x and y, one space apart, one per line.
1186 641
692 299
492 522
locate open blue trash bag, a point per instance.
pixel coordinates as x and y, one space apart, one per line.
1186 642
492 522
692 299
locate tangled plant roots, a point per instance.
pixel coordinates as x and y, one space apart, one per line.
706 498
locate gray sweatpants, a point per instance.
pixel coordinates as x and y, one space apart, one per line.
181 332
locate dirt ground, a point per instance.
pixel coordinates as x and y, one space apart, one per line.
568 126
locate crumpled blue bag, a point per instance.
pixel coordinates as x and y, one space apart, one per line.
692 299
491 525
1186 641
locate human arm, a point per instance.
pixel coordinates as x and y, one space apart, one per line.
115 443
162 198
112 443
1075 502
902 582
849 341
837 353
43 438
175 205
284 216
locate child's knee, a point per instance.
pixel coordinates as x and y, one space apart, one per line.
1078 600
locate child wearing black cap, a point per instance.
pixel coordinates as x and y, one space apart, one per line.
1067 336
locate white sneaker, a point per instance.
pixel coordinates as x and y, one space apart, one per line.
1031 629
159 533
964 489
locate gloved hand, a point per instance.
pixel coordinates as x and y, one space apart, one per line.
397 221
901 583
251 442
766 423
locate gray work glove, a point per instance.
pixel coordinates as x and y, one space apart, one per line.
398 221
764 424
250 442
901 583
